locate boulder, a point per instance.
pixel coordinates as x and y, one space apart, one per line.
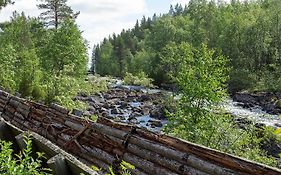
278 103
134 121
155 123
105 114
115 110
134 115
245 98
77 112
145 111
87 114
157 113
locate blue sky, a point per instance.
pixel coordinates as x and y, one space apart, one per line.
100 18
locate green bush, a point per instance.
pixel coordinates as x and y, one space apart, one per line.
241 80
269 80
21 164
201 78
221 133
124 168
141 79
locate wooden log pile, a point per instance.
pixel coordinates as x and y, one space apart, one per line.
55 158
106 143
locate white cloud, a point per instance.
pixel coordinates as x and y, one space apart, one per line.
98 19
28 6
101 18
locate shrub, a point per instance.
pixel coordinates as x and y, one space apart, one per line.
221 133
21 164
201 78
141 79
269 80
241 80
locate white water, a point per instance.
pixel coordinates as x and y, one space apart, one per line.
256 114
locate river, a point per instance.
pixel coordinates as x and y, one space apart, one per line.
119 104
255 113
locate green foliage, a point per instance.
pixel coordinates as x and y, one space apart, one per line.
241 80
201 77
108 65
93 167
23 63
125 169
94 118
140 62
221 133
7 67
248 33
64 63
140 79
21 164
42 63
269 80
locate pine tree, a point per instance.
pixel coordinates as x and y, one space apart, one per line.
56 12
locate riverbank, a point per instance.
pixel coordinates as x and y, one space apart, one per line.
268 101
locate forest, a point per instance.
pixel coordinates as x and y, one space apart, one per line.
204 52
246 33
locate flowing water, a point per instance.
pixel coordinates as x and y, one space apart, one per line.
255 114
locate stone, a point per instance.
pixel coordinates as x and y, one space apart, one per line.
156 113
243 122
101 110
87 114
155 123
134 121
77 112
145 111
115 111
135 114
278 103
105 114
137 109
123 104
244 98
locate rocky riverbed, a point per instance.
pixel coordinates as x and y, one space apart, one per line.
129 104
261 108
144 107
268 102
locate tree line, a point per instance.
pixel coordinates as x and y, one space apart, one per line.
248 33
43 57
